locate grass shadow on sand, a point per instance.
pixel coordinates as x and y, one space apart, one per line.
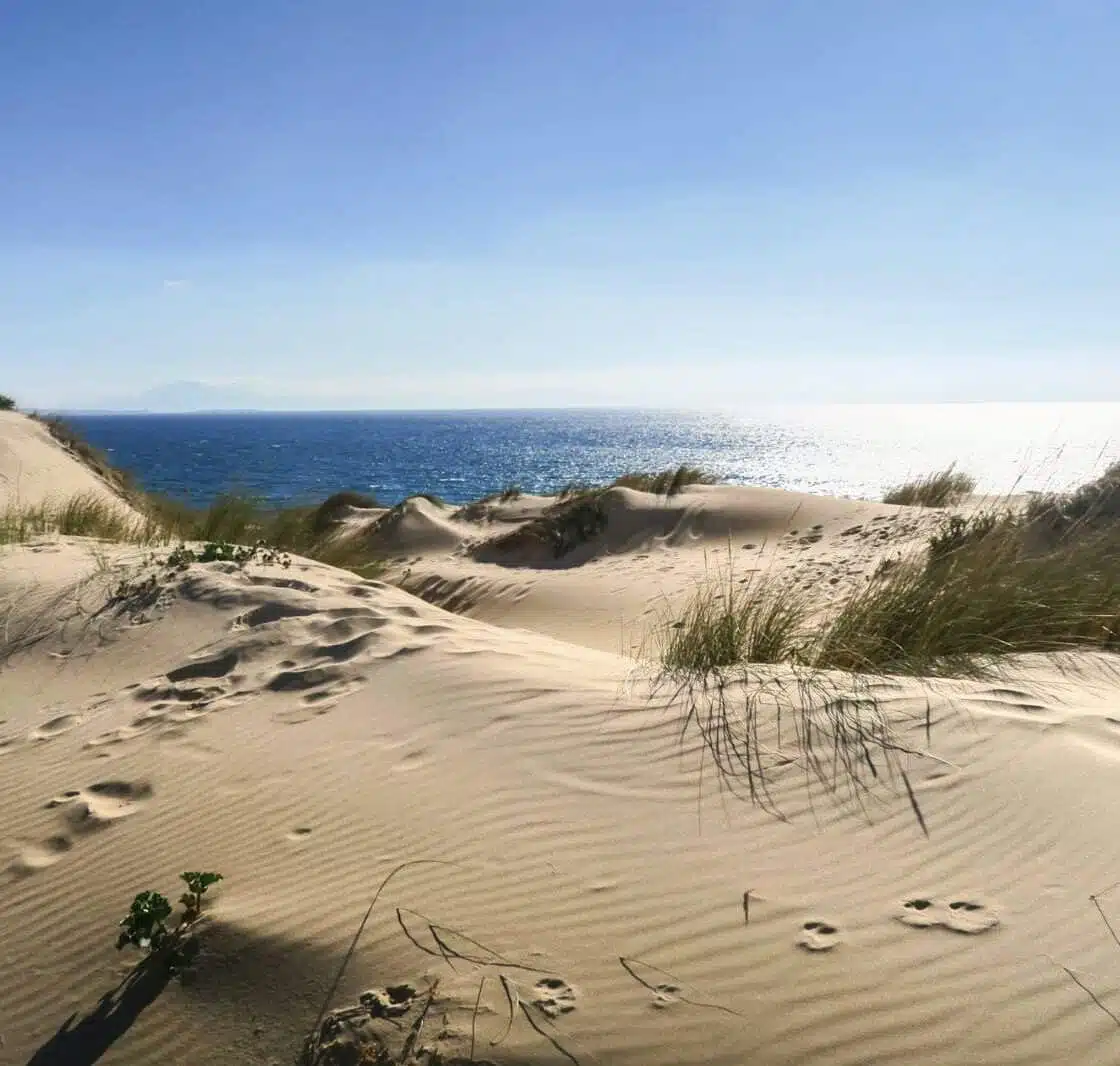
82 1041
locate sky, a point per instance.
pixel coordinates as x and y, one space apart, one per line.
505 203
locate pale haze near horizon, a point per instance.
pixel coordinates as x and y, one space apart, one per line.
364 206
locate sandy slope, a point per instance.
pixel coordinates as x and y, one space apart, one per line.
304 732
610 593
36 469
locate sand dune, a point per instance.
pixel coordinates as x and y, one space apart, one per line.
306 732
35 469
653 554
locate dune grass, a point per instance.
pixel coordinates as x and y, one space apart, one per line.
665 482
989 586
942 489
996 583
576 518
83 515
231 519
728 623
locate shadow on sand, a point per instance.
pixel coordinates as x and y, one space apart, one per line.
83 1040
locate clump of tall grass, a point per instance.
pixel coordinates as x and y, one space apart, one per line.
942 489
83 515
726 624
1094 505
666 482
999 582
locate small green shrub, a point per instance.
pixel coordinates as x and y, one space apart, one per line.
145 926
198 884
7 403
942 489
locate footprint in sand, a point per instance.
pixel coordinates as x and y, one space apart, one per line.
920 913
36 857
553 996
818 936
969 916
54 727
101 804
666 995
960 915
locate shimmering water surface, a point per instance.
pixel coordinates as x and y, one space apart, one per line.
848 450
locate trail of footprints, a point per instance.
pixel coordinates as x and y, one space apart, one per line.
80 813
968 916
286 645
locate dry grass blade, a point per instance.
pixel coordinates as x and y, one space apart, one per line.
629 964
548 1036
418 1025
514 1000
358 935
447 951
1090 993
474 1014
942 489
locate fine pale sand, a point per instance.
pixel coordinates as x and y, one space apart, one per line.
36 470
305 731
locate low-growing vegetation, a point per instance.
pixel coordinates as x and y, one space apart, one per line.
145 926
943 489
7 403
576 518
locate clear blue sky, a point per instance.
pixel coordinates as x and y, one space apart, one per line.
353 203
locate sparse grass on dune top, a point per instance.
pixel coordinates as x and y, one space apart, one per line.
942 489
93 458
230 519
666 482
574 519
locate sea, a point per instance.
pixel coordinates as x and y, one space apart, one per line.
840 449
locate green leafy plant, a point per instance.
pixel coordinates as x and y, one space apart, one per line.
145 926
197 886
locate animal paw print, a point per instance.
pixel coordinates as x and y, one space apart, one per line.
818 936
554 996
960 915
920 913
969 916
666 995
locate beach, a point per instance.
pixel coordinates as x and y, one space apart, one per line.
572 867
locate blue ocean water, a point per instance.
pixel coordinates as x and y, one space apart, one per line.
847 450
